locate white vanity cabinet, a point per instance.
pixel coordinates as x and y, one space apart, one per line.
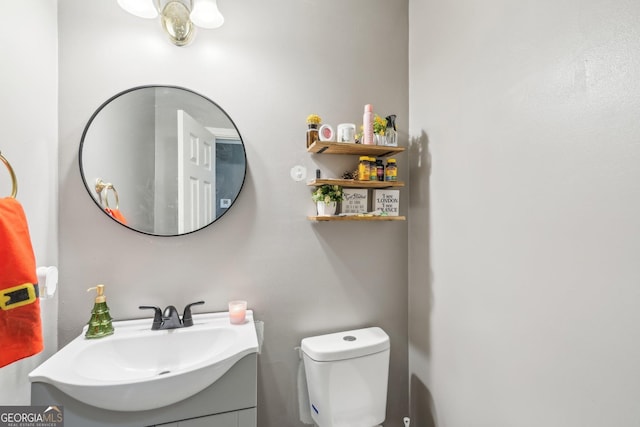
244 418
231 401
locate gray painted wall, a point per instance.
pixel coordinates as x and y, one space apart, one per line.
28 120
269 66
523 125
524 299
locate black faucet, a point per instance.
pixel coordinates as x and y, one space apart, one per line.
171 319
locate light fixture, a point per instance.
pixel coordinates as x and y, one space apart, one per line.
178 17
205 14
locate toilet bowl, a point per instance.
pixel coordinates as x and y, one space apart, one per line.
347 376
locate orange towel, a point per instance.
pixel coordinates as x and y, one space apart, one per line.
115 213
20 325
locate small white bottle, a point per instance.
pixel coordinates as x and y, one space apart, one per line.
367 125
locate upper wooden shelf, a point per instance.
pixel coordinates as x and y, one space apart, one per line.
322 147
354 183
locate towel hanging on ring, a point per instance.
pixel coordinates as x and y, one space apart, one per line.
20 324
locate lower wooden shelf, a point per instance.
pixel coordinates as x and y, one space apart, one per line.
356 218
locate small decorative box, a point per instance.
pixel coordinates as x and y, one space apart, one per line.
326 133
355 201
387 201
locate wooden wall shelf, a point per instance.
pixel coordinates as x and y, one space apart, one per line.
356 218
321 147
354 183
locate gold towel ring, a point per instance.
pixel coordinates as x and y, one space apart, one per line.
100 186
14 181
106 186
115 193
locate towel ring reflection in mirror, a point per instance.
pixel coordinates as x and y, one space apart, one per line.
106 186
14 180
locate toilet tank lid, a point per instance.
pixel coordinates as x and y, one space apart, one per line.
346 345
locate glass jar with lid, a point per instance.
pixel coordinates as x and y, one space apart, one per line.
364 169
391 171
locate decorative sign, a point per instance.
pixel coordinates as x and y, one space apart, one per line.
387 201
355 201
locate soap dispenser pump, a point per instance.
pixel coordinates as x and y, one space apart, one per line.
100 323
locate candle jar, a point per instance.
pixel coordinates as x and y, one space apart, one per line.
237 312
312 134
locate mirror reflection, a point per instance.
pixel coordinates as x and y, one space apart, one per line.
162 160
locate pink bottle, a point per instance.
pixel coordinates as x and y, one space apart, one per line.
367 125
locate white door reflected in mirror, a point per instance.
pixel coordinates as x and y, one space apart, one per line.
196 174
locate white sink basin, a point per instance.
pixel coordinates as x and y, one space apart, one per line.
138 369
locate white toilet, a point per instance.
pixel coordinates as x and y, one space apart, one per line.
347 375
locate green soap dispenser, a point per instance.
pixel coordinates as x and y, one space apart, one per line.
100 323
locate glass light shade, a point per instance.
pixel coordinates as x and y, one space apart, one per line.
140 8
205 14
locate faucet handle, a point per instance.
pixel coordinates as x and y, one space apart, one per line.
187 319
157 317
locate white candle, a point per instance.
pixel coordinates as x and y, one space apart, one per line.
237 312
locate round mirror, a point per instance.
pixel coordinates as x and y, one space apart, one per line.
162 160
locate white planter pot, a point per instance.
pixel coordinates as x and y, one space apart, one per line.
326 209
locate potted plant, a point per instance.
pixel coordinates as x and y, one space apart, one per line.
327 197
379 129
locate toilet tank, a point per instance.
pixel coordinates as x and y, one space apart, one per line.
347 375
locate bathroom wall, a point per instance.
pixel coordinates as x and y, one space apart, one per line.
269 66
524 299
28 119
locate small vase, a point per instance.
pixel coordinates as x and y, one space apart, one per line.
326 209
312 134
391 138
391 132
380 139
